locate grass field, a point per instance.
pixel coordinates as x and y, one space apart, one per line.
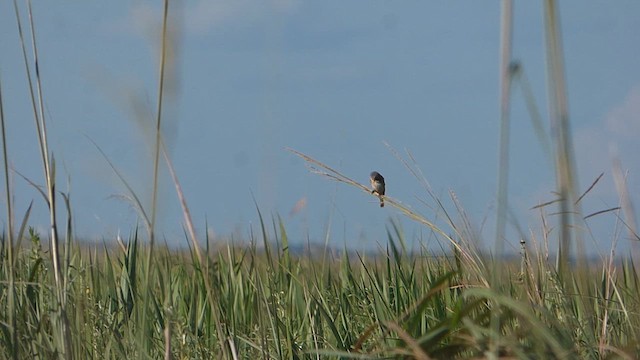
136 299
261 301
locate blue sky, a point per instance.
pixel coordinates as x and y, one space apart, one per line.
334 80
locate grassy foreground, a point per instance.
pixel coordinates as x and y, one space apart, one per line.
269 304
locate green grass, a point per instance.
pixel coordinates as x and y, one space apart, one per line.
281 306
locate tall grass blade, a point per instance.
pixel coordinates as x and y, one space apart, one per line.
155 176
64 345
9 240
519 75
566 178
627 208
135 200
506 25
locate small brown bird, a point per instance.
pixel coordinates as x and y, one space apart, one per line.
377 183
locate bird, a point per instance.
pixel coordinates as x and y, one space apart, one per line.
377 183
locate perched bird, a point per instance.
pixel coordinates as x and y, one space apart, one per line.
377 183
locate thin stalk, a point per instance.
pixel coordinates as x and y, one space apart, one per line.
10 268
506 34
566 181
49 170
29 78
7 184
49 174
628 211
505 96
519 74
156 153
156 163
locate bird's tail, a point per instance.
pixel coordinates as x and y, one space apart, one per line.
381 202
